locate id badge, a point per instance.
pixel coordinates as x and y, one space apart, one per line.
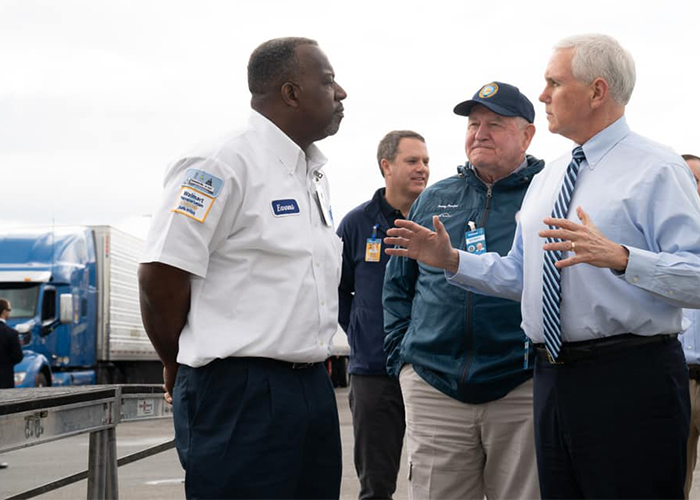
326 215
373 250
476 241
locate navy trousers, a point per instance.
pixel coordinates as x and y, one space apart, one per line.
257 428
613 427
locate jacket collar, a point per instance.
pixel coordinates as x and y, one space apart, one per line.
517 177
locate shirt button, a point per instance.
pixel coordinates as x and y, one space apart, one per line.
635 279
323 302
670 292
321 343
318 264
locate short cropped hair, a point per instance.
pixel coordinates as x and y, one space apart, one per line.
601 56
4 305
389 145
273 63
687 157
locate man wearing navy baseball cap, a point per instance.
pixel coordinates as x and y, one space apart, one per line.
464 364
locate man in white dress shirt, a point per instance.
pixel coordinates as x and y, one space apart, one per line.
611 387
239 290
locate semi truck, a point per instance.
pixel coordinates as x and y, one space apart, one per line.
75 303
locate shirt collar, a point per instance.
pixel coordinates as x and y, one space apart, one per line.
288 152
600 144
387 209
3 320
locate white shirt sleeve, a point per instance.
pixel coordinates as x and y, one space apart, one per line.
193 218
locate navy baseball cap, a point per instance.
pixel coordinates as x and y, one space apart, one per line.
501 98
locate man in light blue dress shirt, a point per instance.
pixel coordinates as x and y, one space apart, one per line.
612 412
691 348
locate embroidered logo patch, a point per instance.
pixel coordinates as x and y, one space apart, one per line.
193 204
203 182
282 208
197 195
488 90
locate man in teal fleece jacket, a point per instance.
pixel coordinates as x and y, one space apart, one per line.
463 361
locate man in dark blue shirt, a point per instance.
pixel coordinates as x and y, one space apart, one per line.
375 398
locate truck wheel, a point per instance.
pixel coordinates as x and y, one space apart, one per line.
40 380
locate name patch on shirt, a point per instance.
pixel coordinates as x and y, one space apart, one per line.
282 208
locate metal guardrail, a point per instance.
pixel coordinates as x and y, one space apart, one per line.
29 417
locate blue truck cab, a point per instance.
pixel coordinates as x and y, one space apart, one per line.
75 305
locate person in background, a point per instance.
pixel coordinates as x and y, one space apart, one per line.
690 339
10 351
375 398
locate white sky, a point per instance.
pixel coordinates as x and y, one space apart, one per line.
96 98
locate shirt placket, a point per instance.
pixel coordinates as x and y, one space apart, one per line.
318 251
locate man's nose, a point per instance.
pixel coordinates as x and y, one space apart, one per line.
340 93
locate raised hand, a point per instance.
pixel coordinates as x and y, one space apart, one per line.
585 242
417 242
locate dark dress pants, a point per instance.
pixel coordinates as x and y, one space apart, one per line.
613 427
379 423
257 428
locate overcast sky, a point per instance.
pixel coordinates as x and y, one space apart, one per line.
96 98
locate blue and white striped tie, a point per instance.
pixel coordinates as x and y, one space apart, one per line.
551 275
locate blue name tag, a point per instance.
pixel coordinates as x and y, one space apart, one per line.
476 241
280 208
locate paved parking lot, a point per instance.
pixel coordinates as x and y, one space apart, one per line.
155 478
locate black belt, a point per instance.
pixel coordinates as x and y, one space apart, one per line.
694 372
572 352
287 364
295 366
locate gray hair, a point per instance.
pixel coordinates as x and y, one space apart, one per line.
601 56
389 145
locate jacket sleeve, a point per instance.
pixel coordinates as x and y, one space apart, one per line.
397 299
346 289
16 354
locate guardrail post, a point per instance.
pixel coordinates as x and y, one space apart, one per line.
103 482
102 465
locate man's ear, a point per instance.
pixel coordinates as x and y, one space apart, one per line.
600 92
290 94
529 133
385 167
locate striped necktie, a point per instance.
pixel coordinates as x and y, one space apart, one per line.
551 275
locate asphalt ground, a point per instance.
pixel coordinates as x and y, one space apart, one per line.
157 477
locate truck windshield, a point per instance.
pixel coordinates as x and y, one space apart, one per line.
22 297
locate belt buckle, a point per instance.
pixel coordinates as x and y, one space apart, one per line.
551 360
